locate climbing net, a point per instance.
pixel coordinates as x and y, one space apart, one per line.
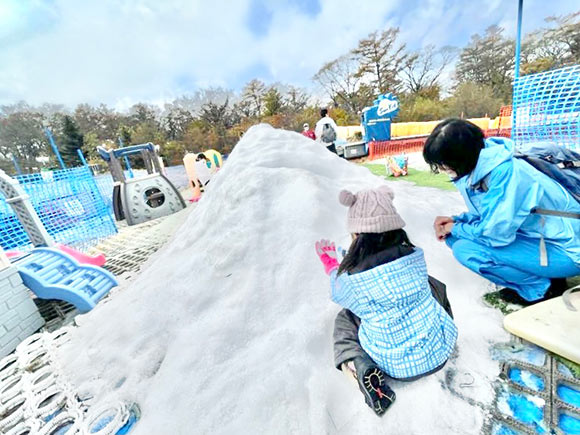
71 206
546 107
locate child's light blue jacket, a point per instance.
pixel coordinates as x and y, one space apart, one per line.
403 328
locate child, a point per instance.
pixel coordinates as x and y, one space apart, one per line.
396 322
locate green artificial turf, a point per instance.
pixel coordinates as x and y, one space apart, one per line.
420 178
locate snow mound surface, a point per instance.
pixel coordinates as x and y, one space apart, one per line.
229 327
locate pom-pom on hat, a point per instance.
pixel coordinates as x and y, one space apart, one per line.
371 211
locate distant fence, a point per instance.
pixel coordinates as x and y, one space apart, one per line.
73 206
380 149
546 107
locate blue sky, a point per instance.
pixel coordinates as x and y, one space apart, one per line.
122 51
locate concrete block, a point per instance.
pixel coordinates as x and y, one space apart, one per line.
7 316
7 273
9 347
9 336
3 307
25 308
5 288
15 280
31 328
16 299
12 323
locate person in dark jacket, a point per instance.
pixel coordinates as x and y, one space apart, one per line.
499 237
397 321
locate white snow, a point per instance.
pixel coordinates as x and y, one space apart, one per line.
229 327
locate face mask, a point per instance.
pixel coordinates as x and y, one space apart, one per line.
450 173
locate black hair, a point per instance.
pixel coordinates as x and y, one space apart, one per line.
455 144
201 156
372 243
323 112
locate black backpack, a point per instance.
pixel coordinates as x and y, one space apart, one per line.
558 163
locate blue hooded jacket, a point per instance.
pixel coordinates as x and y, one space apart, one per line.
403 328
501 192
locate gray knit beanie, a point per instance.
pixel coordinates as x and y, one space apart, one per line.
371 211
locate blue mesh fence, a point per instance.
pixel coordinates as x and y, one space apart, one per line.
71 204
546 107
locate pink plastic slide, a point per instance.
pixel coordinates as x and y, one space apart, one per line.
96 260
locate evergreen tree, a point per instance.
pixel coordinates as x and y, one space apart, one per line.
72 140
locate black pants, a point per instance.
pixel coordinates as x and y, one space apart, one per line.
331 148
346 324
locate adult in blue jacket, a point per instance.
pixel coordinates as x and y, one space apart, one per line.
499 237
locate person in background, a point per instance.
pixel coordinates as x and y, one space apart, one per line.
306 131
325 131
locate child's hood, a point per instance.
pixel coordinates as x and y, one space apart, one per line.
397 283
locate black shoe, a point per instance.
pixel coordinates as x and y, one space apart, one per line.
557 287
372 383
511 296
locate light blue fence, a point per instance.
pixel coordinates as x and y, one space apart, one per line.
546 107
73 206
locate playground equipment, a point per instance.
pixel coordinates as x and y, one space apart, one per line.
81 257
376 120
52 274
215 158
198 172
64 205
36 397
145 198
549 324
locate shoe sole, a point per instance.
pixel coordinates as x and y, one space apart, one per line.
377 390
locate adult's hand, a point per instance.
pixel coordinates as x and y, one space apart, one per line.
442 226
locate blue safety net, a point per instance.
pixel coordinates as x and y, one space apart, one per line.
546 107
71 206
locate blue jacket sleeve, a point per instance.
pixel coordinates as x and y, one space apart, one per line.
340 294
466 217
504 207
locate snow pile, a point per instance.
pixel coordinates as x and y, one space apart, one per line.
229 327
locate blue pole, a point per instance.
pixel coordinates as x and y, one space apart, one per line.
127 162
54 147
82 157
16 165
519 38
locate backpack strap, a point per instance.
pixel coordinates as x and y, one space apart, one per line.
547 212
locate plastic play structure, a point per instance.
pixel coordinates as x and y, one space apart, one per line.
376 120
198 172
52 274
145 198
54 271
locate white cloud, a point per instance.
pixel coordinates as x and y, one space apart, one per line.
123 51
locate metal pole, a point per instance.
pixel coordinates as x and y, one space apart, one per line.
16 165
519 39
54 147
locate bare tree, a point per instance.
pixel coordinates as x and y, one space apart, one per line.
564 39
343 84
423 69
380 58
